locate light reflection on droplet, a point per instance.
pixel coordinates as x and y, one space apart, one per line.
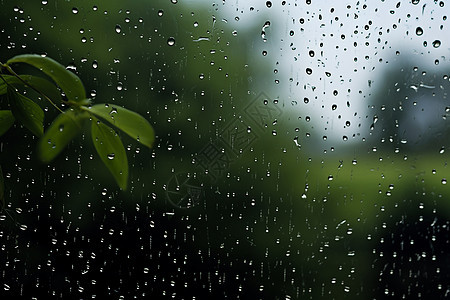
171 41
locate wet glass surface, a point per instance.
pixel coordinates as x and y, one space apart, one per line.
301 152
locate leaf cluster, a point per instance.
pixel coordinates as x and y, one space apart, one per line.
66 87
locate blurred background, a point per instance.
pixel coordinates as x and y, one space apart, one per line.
301 152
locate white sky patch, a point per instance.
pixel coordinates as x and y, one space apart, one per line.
331 52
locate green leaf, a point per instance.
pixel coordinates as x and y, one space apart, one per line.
110 149
68 81
63 129
6 121
126 120
10 80
46 87
26 111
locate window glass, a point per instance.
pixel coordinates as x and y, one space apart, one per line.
300 153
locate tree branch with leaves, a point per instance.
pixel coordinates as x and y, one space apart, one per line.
67 88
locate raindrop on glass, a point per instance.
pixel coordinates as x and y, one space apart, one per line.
171 41
419 31
436 43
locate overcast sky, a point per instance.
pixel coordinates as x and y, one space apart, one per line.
354 42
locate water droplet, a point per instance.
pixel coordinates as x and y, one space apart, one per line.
308 71
171 41
95 64
269 4
419 31
44 2
160 13
330 177
111 156
119 86
436 43
71 67
415 2
61 127
444 181
334 107
74 10
201 76
118 28
442 150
